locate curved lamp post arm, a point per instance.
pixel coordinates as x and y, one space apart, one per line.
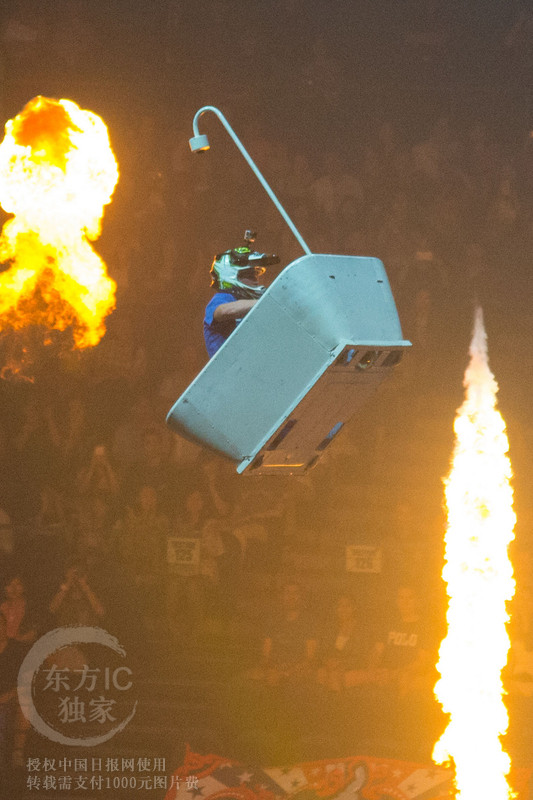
200 142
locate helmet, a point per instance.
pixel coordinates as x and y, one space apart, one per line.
229 268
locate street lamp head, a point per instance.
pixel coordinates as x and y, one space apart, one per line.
199 144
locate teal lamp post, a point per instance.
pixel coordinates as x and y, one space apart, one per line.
200 143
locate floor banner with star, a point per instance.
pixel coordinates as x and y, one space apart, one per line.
213 777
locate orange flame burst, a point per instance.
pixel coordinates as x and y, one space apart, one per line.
479 578
57 173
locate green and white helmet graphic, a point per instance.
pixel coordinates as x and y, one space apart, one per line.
231 267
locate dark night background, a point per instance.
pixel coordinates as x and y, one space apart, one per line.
421 110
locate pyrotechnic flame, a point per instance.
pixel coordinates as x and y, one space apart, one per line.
479 578
57 173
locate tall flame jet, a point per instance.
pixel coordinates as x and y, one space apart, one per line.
479 578
57 174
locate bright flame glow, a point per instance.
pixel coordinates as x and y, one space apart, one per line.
57 173
479 578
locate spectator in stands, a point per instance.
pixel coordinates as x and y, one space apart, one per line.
218 485
99 477
260 517
185 595
344 650
211 550
504 209
402 657
95 523
34 447
10 489
397 690
342 709
127 440
15 610
11 656
154 467
51 518
290 643
75 603
278 691
20 627
436 157
220 562
480 158
6 536
70 437
142 537
206 589
330 190
194 514
140 546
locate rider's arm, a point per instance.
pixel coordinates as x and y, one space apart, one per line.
234 310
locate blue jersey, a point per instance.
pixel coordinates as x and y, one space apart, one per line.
216 333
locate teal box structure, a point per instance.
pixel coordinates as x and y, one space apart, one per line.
312 350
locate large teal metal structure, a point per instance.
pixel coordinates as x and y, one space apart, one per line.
312 350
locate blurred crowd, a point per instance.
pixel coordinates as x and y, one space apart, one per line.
87 463
107 517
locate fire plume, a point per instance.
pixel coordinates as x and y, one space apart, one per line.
57 174
479 578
